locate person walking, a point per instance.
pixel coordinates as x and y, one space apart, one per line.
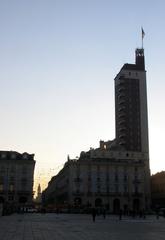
104 213
93 214
157 213
120 214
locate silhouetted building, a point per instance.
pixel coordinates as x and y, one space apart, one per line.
102 178
158 189
16 177
116 175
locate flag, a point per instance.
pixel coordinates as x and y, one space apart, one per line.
143 33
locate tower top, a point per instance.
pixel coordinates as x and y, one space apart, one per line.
139 64
139 59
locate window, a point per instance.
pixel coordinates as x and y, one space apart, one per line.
136 189
3 155
125 178
116 177
1 187
11 198
77 191
24 182
13 156
89 178
98 188
24 170
136 169
98 179
12 179
11 187
12 169
1 179
77 179
25 156
125 189
2 169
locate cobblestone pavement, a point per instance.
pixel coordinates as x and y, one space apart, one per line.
79 227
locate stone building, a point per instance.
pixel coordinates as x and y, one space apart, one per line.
16 177
102 177
158 190
116 175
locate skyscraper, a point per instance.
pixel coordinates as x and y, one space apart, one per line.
131 105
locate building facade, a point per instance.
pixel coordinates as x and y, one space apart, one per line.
158 190
116 175
16 178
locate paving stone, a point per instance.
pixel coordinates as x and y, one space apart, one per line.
80 227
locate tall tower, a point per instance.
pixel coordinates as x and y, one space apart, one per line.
131 105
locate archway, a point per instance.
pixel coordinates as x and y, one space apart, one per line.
125 209
2 200
77 201
98 202
136 204
116 205
22 199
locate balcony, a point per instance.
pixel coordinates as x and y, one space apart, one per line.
122 142
121 108
24 192
122 130
137 194
11 192
121 102
89 194
3 192
121 121
121 88
121 95
76 193
122 136
126 194
121 115
136 181
122 82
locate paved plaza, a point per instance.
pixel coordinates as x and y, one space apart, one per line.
79 227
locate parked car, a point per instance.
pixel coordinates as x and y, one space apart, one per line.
31 210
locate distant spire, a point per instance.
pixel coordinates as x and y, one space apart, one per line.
39 189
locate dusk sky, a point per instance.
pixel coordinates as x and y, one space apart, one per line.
58 60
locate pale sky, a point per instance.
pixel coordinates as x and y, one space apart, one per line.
58 60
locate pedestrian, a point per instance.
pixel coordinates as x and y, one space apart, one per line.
120 214
144 214
164 213
93 214
157 213
104 213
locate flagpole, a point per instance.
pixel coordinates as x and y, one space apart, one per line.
143 33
